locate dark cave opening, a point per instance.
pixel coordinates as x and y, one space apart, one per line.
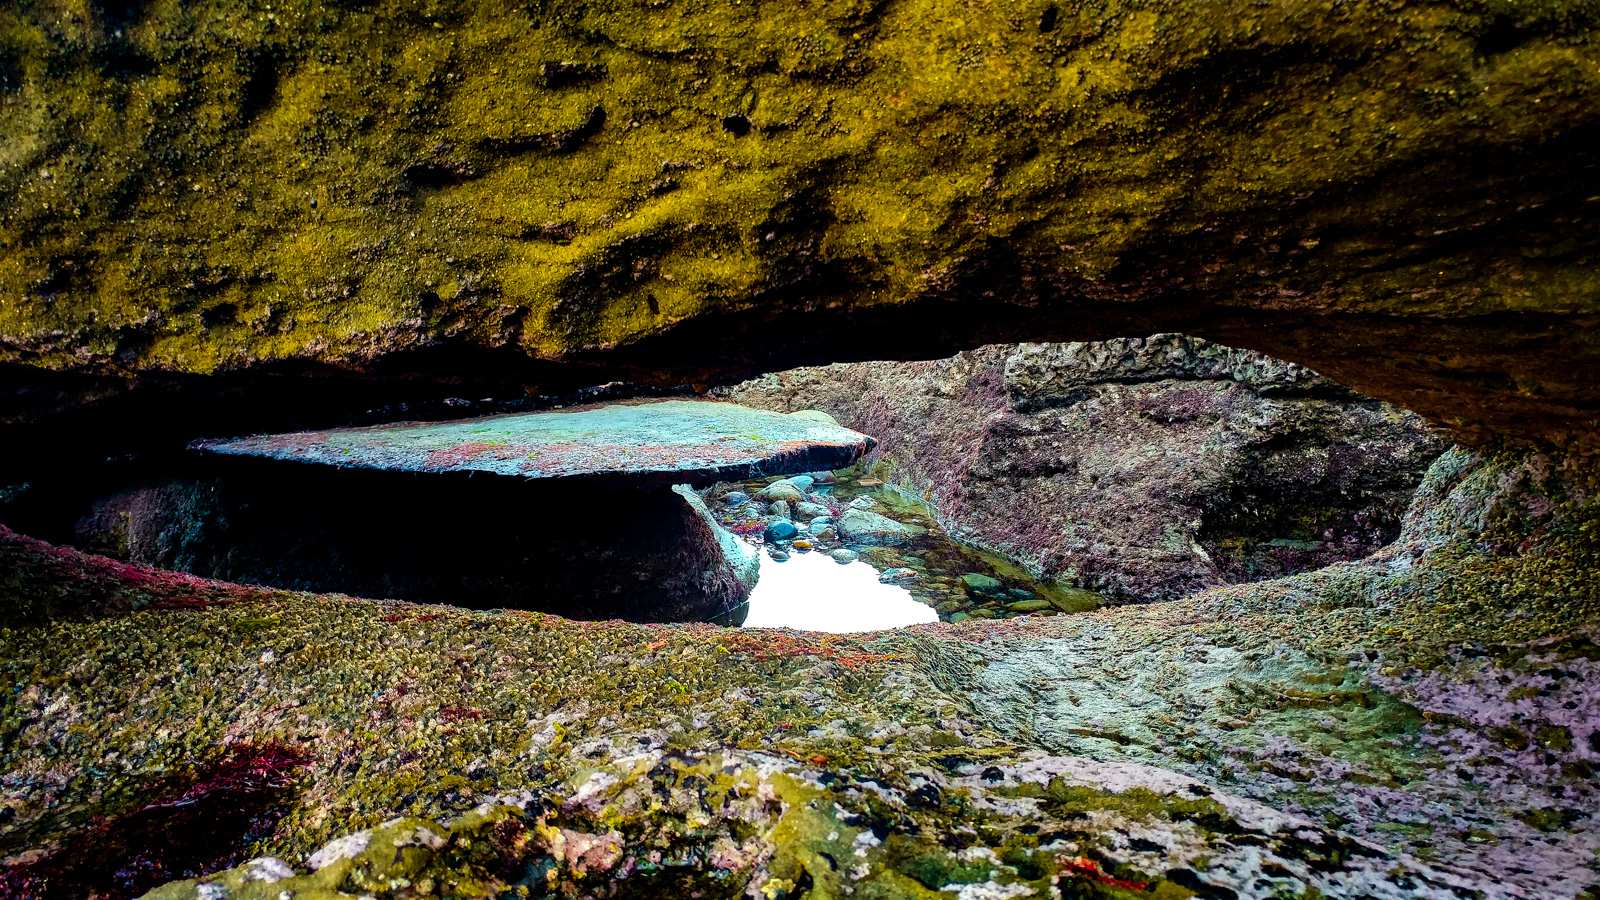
585 551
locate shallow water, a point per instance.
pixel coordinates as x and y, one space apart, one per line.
954 581
812 592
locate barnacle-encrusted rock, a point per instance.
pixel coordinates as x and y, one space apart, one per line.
764 825
1399 194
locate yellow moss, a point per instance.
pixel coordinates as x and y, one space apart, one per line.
926 137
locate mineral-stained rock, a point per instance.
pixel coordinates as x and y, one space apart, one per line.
781 492
1395 193
860 526
1140 468
1045 375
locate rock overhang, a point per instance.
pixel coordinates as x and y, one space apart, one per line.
1398 195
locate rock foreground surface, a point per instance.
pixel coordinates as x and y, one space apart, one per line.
667 441
1419 724
1398 194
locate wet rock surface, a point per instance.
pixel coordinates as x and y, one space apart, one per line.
1141 469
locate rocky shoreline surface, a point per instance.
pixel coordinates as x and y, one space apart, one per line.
1016 756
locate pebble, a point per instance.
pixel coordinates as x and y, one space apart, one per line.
981 584
959 617
779 508
863 503
889 576
780 530
1028 606
862 527
802 544
810 510
845 556
734 498
822 477
781 490
820 522
777 554
826 533
802 482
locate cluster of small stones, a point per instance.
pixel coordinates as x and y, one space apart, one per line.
853 515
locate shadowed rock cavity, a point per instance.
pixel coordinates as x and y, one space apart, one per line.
649 555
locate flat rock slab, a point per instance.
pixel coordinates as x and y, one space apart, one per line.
664 441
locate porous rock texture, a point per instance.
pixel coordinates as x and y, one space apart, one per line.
1143 469
1399 194
1419 724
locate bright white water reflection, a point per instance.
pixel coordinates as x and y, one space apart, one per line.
810 591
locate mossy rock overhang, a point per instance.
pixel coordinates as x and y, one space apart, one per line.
620 444
1401 195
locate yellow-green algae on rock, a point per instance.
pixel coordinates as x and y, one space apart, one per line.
661 188
1323 733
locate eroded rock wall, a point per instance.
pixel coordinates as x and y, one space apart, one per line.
1141 468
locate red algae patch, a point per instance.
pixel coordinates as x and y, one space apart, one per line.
194 825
